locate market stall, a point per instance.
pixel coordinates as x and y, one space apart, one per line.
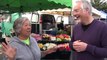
61 41
21 6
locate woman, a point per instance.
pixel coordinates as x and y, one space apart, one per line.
23 46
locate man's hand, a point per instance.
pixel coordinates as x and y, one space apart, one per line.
79 46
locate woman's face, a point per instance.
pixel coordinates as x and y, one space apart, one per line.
26 28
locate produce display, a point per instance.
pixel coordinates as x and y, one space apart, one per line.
36 36
64 47
46 46
60 41
46 37
40 45
61 47
61 37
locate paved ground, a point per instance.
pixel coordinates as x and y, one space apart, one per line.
2 59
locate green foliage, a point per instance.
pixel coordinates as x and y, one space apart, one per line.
100 5
61 32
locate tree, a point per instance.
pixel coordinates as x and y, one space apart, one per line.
100 5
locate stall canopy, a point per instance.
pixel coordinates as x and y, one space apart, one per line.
28 6
33 5
68 3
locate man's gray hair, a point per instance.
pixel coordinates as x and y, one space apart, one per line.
86 5
18 24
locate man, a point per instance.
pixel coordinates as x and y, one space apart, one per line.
89 40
